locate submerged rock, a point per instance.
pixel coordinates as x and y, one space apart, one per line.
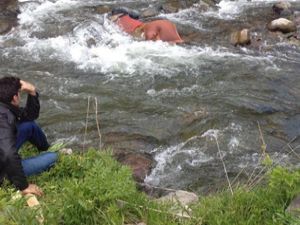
140 163
283 25
5 26
129 150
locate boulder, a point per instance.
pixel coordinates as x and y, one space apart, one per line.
283 25
241 37
8 15
140 163
294 207
5 26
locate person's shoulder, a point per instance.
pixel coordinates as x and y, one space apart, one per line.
6 114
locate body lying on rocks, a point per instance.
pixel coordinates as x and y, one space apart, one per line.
129 22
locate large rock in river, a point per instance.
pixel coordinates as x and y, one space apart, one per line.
140 163
8 15
283 25
130 150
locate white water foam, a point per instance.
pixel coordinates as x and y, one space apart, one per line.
229 9
166 167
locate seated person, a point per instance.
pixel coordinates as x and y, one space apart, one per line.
16 127
163 30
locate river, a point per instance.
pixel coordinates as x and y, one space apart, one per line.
188 98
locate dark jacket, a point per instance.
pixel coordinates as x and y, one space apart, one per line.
10 160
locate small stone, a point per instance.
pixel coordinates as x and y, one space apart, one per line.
241 37
66 151
184 198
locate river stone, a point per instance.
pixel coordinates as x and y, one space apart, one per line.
202 6
282 8
170 8
294 207
102 9
283 25
149 12
241 37
140 163
184 198
5 26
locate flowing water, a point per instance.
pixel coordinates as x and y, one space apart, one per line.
187 97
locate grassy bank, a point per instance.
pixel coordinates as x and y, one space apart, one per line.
93 188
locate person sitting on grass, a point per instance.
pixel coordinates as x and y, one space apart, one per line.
17 126
163 30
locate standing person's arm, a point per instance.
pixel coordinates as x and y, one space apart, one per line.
32 109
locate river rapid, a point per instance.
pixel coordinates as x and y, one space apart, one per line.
183 99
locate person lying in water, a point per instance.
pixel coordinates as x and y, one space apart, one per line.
163 30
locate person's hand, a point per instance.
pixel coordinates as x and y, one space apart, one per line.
28 87
33 189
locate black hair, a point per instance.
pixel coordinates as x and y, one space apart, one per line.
9 87
134 14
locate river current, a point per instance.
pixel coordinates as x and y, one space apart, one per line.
188 97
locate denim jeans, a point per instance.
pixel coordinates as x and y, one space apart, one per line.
30 131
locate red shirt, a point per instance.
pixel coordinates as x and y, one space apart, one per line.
128 24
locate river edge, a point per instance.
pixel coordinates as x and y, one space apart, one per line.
92 188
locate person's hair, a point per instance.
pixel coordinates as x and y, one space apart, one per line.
9 87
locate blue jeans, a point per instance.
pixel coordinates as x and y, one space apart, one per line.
30 131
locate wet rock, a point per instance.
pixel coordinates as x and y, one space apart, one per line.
241 37
11 5
140 163
202 6
283 25
211 3
102 9
128 149
294 207
5 26
149 12
184 198
282 8
91 42
132 142
170 8
8 15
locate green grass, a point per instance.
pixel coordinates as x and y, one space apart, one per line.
91 188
